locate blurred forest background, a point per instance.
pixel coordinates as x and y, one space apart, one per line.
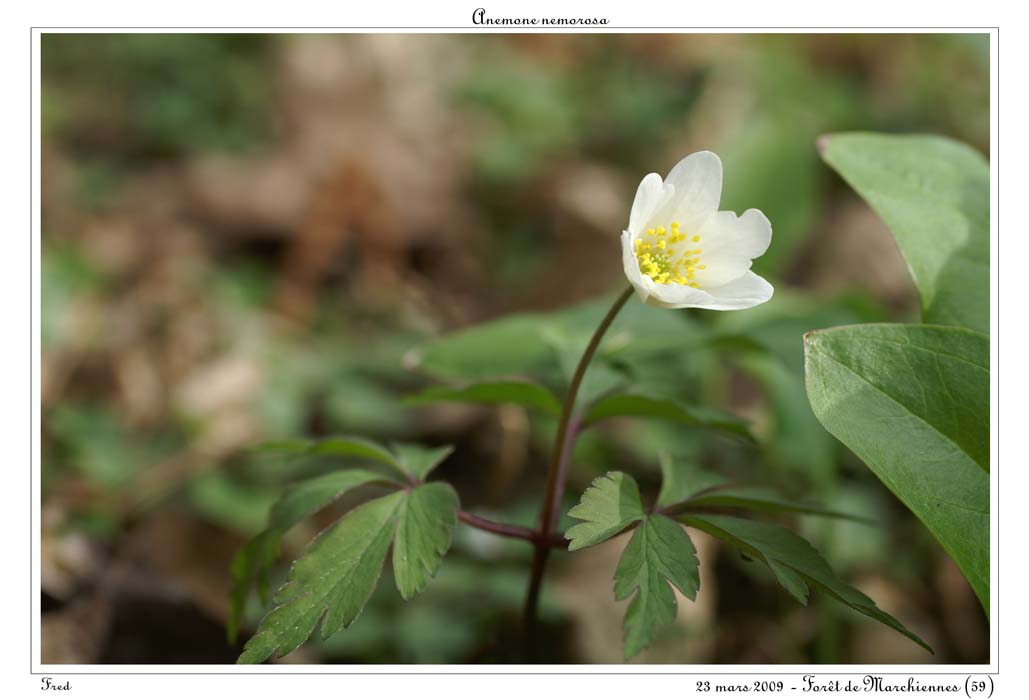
249 237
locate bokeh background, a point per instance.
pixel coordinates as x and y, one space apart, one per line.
248 237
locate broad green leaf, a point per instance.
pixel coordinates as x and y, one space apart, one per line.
424 528
638 405
933 193
253 562
607 507
794 562
332 580
659 555
913 403
520 392
417 461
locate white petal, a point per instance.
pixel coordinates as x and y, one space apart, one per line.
742 293
729 243
697 180
632 267
649 195
747 235
678 296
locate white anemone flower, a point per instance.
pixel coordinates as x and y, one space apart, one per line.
681 252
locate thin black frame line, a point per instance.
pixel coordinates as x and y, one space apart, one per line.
515 673
32 591
518 28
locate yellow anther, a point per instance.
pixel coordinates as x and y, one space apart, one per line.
661 230
690 270
650 232
696 239
701 267
661 244
689 275
694 285
697 251
675 224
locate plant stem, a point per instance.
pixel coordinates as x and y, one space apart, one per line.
558 472
513 531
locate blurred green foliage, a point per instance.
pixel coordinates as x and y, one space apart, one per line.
145 96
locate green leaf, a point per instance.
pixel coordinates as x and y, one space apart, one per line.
332 580
756 498
933 193
520 392
417 461
308 497
607 507
615 405
424 529
253 562
337 446
681 479
539 344
794 562
686 488
659 555
913 403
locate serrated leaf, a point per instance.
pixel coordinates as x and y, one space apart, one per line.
307 497
934 195
425 526
253 562
417 461
659 555
638 405
519 392
794 562
912 402
331 582
607 507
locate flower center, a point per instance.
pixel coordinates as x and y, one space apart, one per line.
666 256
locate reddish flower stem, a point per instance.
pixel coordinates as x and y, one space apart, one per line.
558 473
